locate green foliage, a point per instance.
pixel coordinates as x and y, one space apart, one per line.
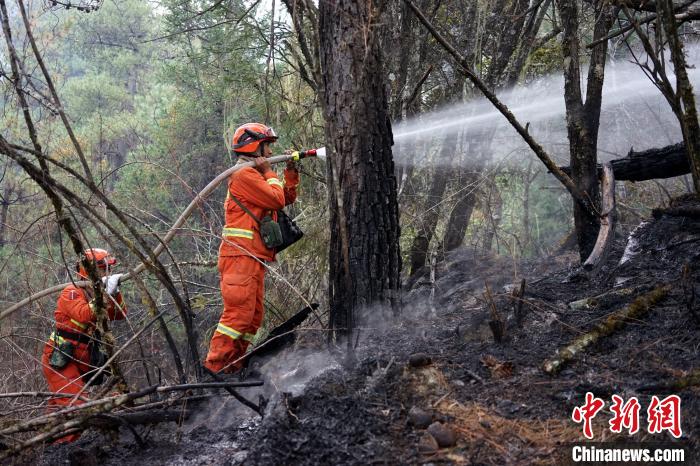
545 60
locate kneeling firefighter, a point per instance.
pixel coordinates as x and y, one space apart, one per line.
254 195
73 350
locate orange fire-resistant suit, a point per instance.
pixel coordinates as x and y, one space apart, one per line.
75 321
242 275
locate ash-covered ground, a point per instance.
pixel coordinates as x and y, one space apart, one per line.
493 398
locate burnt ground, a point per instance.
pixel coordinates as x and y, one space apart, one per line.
495 397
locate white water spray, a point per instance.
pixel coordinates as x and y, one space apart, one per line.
634 114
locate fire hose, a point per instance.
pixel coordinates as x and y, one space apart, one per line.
198 199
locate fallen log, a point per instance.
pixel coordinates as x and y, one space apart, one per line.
108 404
636 310
603 299
651 164
95 406
687 211
57 430
116 420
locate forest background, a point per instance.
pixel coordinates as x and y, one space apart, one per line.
152 89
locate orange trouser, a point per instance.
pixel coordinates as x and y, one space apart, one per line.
242 284
66 380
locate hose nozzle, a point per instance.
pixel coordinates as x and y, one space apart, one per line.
319 153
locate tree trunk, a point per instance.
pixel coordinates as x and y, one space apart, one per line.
4 209
364 215
494 206
689 115
431 211
583 118
461 213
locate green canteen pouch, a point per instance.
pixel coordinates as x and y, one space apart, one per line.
62 354
270 232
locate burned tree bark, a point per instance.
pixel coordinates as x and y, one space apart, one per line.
583 118
364 244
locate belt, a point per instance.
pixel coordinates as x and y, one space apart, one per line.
79 337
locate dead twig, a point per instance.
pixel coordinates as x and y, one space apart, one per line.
518 301
497 323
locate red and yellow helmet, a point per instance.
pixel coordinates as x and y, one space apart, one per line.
248 137
101 258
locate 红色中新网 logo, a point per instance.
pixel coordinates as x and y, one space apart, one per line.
662 415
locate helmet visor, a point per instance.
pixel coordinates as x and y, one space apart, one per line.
270 134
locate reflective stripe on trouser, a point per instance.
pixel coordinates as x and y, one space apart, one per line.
242 288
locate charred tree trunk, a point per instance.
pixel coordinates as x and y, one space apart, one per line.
364 223
583 118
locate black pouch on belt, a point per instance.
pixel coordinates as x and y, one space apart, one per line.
98 358
291 233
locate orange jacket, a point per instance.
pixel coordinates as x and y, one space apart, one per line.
73 312
261 194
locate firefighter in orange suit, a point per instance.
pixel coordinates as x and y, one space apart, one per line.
75 323
242 255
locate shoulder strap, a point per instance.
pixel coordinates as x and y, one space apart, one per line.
245 209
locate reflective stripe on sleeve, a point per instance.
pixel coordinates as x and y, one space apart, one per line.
275 182
79 324
238 233
228 331
249 337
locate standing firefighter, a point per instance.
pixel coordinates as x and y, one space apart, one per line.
73 350
254 195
